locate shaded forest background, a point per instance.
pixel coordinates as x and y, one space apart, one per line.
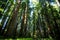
30 18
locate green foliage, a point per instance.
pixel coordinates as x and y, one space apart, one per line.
3 0
23 5
44 21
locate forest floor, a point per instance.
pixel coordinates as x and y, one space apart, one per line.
3 38
26 39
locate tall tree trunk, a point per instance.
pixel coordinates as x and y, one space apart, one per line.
13 22
39 26
24 23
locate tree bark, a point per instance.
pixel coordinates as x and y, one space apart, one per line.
13 22
23 29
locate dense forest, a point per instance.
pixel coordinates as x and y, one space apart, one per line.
36 19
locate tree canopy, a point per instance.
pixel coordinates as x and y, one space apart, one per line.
37 19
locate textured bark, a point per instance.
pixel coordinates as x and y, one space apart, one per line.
24 23
13 22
